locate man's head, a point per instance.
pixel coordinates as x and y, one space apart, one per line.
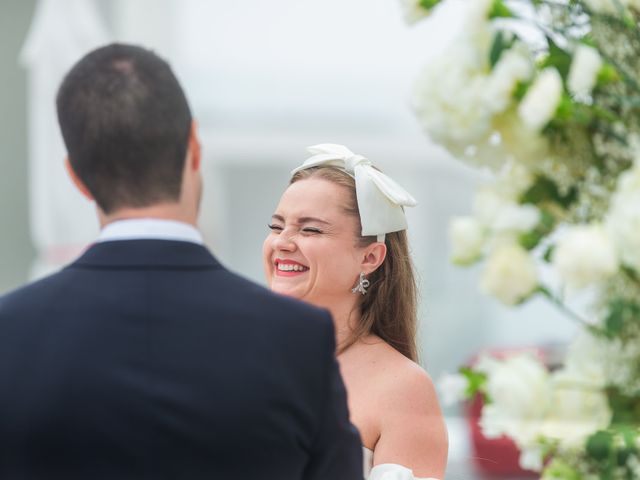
127 127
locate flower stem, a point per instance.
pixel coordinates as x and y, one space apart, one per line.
563 308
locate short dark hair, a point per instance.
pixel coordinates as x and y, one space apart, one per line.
125 121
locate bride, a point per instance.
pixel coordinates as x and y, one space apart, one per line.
338 241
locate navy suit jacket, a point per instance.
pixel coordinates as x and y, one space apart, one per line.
146 359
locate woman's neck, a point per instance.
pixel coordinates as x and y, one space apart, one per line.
346 316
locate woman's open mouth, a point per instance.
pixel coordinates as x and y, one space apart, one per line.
289 268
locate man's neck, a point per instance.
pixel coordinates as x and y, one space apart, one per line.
166 211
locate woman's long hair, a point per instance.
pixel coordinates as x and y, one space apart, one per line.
389 309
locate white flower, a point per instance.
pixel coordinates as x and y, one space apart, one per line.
532 406
486 203
476 13
531 458
584 359
623 218
611 6
515 218
495 208
467 240
510 274
413 11
515 65
620 362
579 410
540 103
520 392
585 255
513 180
452 388
449 95
583 73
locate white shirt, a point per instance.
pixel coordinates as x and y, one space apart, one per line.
150 228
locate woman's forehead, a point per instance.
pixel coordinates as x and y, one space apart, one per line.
314 195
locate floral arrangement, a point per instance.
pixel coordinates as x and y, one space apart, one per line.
546 94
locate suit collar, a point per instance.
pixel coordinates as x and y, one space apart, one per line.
146 254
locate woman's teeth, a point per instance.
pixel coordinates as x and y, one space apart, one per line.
287 267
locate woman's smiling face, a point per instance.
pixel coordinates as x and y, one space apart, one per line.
311 252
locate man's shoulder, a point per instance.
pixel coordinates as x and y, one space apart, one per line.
30 293
285 308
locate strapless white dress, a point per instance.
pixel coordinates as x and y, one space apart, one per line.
385 471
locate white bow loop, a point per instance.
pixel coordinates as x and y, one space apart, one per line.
380 199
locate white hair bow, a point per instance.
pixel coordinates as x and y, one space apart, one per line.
380 199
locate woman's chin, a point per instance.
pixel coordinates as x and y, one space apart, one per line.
286 290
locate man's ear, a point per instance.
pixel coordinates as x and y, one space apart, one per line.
194 149
76 180
374 255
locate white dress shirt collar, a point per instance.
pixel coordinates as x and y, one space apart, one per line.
150 228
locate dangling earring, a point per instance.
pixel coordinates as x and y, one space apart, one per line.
362 285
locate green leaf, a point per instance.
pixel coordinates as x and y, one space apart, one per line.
558 58
566 109
476 382
530 240
627 446
501 42
600 445
559 468
499 10
521 90
545 190
607 74
549 253
428 4
626 409
620 313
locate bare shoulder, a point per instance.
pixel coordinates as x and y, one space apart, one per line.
405 385
412 428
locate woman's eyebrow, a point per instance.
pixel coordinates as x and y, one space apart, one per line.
301 220
312 220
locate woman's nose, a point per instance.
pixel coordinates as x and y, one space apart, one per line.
284 242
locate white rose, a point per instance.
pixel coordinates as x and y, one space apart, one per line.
515 218
513 180
448 97
501 214
514 66
583 73
584 359
476 13
623 218
520 392
585 255
531 458
540 103
486 203
509 275
629 181
467 240
579 410
413 11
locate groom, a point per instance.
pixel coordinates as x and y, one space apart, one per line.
146 358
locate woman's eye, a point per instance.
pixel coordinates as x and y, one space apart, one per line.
274 228
311 230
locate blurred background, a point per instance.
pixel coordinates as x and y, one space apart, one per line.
265 80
